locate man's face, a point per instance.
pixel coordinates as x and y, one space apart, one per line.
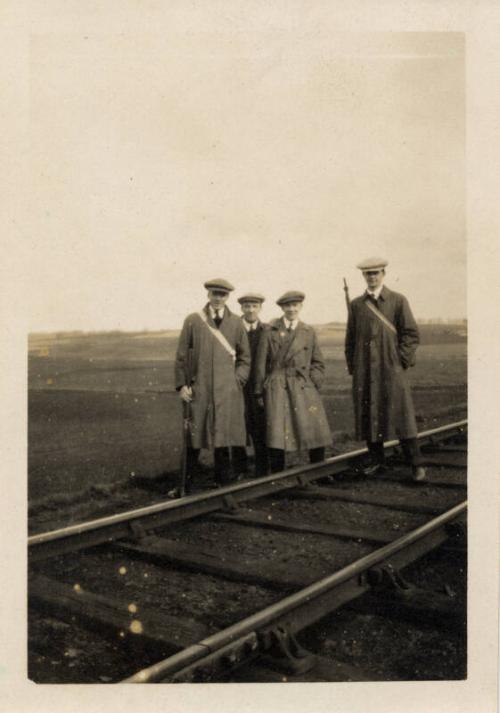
217 298
251 311
291 310
374 278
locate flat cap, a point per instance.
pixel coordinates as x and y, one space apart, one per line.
219 284
251 297
291 296
372 263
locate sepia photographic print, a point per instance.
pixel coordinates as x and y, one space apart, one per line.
247 357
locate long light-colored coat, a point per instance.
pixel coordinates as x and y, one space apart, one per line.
218 407
377 359
288 372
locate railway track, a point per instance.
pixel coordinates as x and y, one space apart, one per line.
218 584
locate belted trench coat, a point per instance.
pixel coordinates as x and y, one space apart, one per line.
289 371
218 379
378 358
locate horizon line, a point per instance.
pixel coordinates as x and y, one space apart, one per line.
431 321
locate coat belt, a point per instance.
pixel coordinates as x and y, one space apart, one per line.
285 371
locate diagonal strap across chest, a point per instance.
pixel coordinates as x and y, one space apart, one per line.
218 335
380 316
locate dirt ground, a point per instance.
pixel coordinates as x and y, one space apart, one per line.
102 414
373 643
378 646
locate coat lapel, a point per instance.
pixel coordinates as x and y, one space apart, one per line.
287 344
210 321
384 305
278 341
276 330
224 325
299 339
225 321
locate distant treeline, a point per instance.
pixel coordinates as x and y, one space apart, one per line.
122 345
439 324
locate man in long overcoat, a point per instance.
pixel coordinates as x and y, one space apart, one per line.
381 341
251 305
288 374
215 343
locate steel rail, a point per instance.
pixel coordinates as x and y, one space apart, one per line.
107 529
258 621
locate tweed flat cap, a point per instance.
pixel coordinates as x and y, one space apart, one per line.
251 297
219 284
372 263
291 296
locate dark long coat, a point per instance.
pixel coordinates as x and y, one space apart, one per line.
377 359
288 372
217 408
255 420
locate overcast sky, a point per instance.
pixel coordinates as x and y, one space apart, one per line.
276 161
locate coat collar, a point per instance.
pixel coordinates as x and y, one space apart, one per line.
279 323
226 315
227 311
257 328
384 293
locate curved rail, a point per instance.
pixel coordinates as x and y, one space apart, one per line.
105 529
265 617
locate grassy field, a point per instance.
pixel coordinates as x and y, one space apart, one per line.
102 408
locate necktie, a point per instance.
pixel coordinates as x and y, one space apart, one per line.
217 318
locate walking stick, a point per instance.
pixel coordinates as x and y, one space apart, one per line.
186 427
186 423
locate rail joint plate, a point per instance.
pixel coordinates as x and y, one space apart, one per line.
387 576
284 653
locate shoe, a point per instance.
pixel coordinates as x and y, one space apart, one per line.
373 469
419 474
224 483
174 493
